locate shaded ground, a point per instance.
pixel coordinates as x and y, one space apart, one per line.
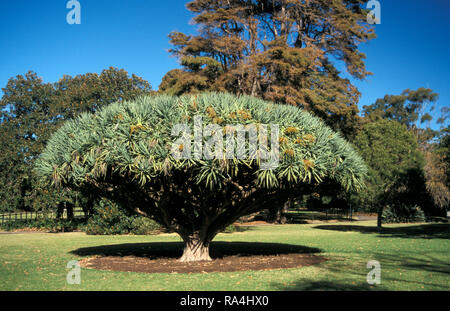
425 231
227 257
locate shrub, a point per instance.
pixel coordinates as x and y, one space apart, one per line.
45 224
402 213
230 229
143 225
110 219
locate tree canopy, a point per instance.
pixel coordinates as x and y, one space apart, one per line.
125 152
281 51
395 165
406 108
414 109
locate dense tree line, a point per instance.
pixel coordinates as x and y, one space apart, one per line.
32 110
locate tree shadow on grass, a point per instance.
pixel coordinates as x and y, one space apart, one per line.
156 250
425 262
305 219
394 263
335 285
425 231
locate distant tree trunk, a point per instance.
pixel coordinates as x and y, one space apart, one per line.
380 213
69 208
277 214
60 210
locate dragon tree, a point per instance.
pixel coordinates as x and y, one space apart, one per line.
129 152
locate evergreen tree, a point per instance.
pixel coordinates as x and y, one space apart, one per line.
395 166
276 50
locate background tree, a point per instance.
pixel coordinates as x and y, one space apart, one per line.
413 108
437 167
436 178
276 50
32 110
124 153
443 144
395 166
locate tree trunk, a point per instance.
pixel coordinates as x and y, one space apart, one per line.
281 214
277 214
380 213
69 208
195 249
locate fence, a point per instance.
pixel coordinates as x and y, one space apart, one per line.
338 212
6 217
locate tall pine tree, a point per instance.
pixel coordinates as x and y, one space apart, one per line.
276 50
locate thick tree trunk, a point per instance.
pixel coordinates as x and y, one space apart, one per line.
195 249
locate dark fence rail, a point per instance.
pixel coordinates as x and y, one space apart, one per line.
6 217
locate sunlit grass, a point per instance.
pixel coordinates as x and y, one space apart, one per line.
412 257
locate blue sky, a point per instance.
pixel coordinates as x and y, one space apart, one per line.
412 48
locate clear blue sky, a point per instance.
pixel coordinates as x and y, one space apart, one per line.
412 48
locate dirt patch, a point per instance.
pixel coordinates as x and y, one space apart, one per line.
225 264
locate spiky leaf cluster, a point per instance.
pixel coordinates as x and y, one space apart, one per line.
132 141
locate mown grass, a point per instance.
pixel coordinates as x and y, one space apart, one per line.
412 257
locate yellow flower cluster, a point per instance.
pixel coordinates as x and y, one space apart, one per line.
244 114
309 138
194 105
186 117
283 140
211 112
305 140
289 152
291 130
136 128
308 163
217 120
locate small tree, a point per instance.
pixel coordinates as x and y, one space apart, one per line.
125 152
395 165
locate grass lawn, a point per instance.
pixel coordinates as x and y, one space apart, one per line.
412 257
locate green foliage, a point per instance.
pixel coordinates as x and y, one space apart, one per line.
395 164
405 108
443 150
31 111
142 226
108 218
428 183
45 224
402 213
135 138
230 229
